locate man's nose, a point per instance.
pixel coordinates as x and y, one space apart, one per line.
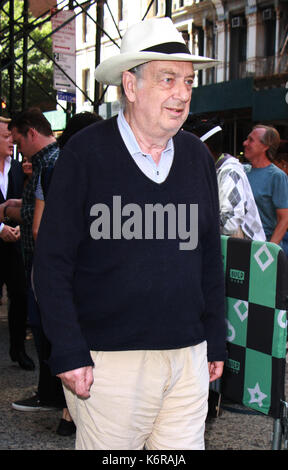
182 91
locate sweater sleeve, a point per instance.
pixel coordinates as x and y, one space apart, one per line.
213 277
61 230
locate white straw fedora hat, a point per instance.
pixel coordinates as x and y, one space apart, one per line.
152 39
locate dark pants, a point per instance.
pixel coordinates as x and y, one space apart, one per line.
12 274
284 243
50 389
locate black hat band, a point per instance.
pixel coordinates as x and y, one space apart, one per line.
169 48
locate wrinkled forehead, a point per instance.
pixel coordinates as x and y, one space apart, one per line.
186 68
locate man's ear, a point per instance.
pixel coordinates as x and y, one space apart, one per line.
129 85
32 133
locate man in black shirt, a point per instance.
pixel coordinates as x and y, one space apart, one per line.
12 271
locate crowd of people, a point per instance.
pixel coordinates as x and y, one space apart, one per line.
128 318
252 196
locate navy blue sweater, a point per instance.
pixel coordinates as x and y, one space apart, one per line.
106 276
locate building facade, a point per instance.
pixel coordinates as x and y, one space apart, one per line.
248 37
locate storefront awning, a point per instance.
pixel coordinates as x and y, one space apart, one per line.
270 105
266 104
222 96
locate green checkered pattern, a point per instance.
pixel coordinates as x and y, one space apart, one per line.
256 310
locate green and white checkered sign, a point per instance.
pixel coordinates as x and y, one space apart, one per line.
256 311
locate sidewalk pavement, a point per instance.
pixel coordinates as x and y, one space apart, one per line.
241 429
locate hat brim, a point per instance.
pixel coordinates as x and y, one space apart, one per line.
110 70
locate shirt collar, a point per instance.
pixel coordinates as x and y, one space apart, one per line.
130 139
8 160
42 154
7 164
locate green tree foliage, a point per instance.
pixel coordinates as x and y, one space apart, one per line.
40 90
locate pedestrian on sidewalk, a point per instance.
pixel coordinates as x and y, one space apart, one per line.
239 215
136 320
32 134
12 271
268 182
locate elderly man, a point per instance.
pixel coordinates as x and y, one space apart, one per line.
128 268
269 184
11 263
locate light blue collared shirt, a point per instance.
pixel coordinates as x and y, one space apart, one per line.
156 172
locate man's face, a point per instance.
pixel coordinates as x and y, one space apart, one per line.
253 147
162 97
23 143
6 141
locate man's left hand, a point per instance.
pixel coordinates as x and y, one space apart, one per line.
215 370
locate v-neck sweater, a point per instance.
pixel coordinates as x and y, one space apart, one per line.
104 279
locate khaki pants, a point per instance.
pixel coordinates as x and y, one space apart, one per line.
144 399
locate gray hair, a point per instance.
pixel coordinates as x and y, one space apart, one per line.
270 138
137 71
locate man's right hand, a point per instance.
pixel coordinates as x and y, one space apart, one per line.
78 381
9 234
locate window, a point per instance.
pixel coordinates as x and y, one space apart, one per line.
269 19
86 84
178 4
238 45
120 10
156 7
84 27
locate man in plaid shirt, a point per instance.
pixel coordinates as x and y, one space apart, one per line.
33 135
34 138
42 160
